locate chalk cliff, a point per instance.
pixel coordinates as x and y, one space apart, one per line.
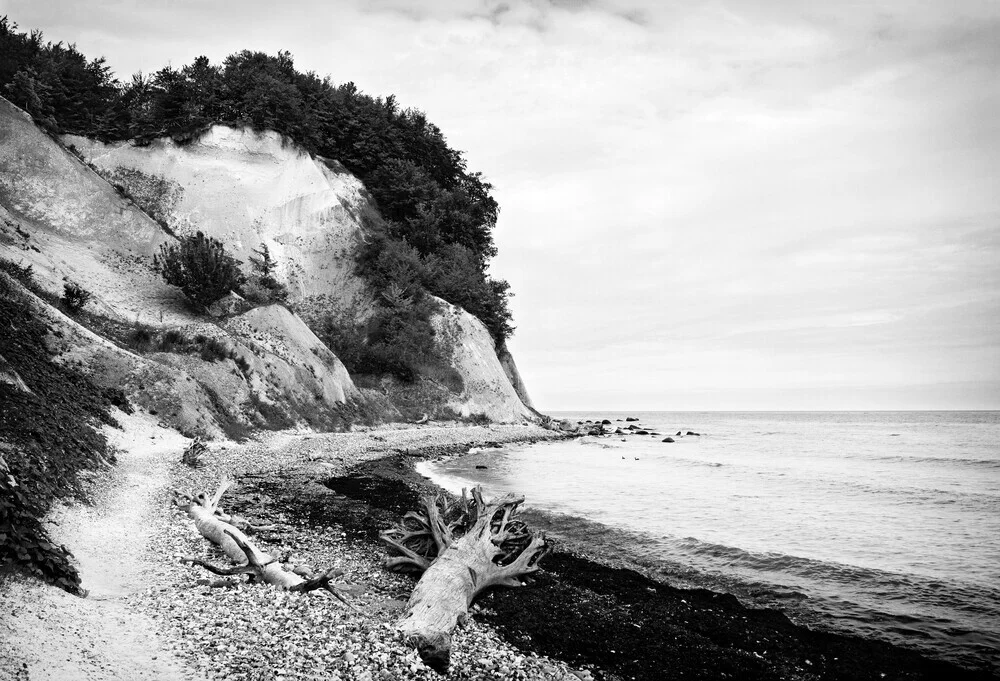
100 225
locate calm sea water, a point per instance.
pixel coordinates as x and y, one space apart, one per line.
883 524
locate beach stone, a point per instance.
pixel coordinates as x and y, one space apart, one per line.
606 422
691 432
631 418
669 439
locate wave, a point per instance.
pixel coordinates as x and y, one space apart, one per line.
940 460
880 584
957 620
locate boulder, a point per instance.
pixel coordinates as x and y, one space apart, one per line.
631 418
228 305
668 439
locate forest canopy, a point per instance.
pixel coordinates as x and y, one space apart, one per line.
436 215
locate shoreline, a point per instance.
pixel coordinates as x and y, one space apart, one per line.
725 638
329 495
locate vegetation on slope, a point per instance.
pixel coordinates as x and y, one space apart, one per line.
433 233
47 437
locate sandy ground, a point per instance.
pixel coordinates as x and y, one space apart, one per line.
49 634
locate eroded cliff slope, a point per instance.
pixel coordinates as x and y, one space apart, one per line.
261 368
246 189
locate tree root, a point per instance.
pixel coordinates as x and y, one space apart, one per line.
462 547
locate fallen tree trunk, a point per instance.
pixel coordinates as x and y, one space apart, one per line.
462 548
224 531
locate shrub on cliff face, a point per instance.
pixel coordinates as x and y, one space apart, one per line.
200 267
75 296
263 287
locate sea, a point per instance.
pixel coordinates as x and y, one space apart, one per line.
879 524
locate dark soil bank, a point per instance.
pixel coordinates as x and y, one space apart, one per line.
615 621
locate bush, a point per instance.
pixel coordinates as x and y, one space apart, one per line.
23 273
140 338
200 267
397 340
75 296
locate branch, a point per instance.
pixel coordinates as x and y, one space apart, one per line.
224 484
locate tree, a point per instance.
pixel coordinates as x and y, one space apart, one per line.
200 267
266 287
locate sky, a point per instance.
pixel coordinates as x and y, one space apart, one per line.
755 205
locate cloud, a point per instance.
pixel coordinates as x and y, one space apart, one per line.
722 202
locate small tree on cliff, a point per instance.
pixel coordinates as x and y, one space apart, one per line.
263 286
200 267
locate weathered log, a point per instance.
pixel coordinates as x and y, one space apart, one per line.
224 531
462 548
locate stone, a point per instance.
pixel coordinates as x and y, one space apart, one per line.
669 439
230 304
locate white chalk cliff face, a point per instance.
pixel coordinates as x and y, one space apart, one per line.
66 222
245 189
487 389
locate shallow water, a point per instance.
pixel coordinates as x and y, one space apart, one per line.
883 524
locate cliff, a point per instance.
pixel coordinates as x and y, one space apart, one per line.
100 225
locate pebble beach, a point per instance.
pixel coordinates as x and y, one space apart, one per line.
150 616
195 625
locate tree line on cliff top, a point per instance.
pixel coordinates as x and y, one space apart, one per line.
433 231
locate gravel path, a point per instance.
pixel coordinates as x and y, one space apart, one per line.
149 616
49 634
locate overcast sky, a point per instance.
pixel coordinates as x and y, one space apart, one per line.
704 205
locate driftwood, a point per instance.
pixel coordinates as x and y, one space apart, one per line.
227 532
462 547
193 453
